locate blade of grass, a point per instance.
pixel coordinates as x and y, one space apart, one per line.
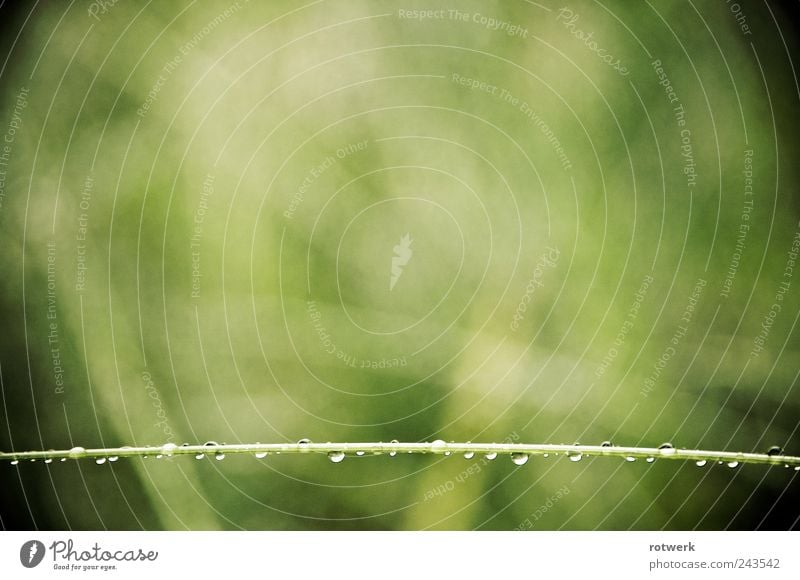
436 447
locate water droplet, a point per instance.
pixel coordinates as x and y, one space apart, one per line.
630 459
113 458
169 449
797 467
304 441
606 444
77 452
700 462
774 450
733 464
491 456
359 453
15 462
519 458
210 444
469 454
219 456
574 455
259 454
650 459
546 455
393 453
100 460
438 446
336 456
666 449
63 459
33 460
49 460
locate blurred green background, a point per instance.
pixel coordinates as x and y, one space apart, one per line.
200 206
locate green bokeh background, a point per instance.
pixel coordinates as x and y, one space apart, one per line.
261 96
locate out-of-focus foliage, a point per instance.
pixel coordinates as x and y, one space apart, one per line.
202 222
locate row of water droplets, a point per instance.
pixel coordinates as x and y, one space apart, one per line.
437 446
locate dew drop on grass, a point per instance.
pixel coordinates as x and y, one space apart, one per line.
260 454
666 449
774 450
650 459
393 453
733 464
49 460
469 454
15 462
519 458
700 462
797 467
630 459
575 455
546 455
606 444
113 458
438 446
77 452
168 449
100 460
304 441
336 456
210 444
359 453
219 455
491 456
